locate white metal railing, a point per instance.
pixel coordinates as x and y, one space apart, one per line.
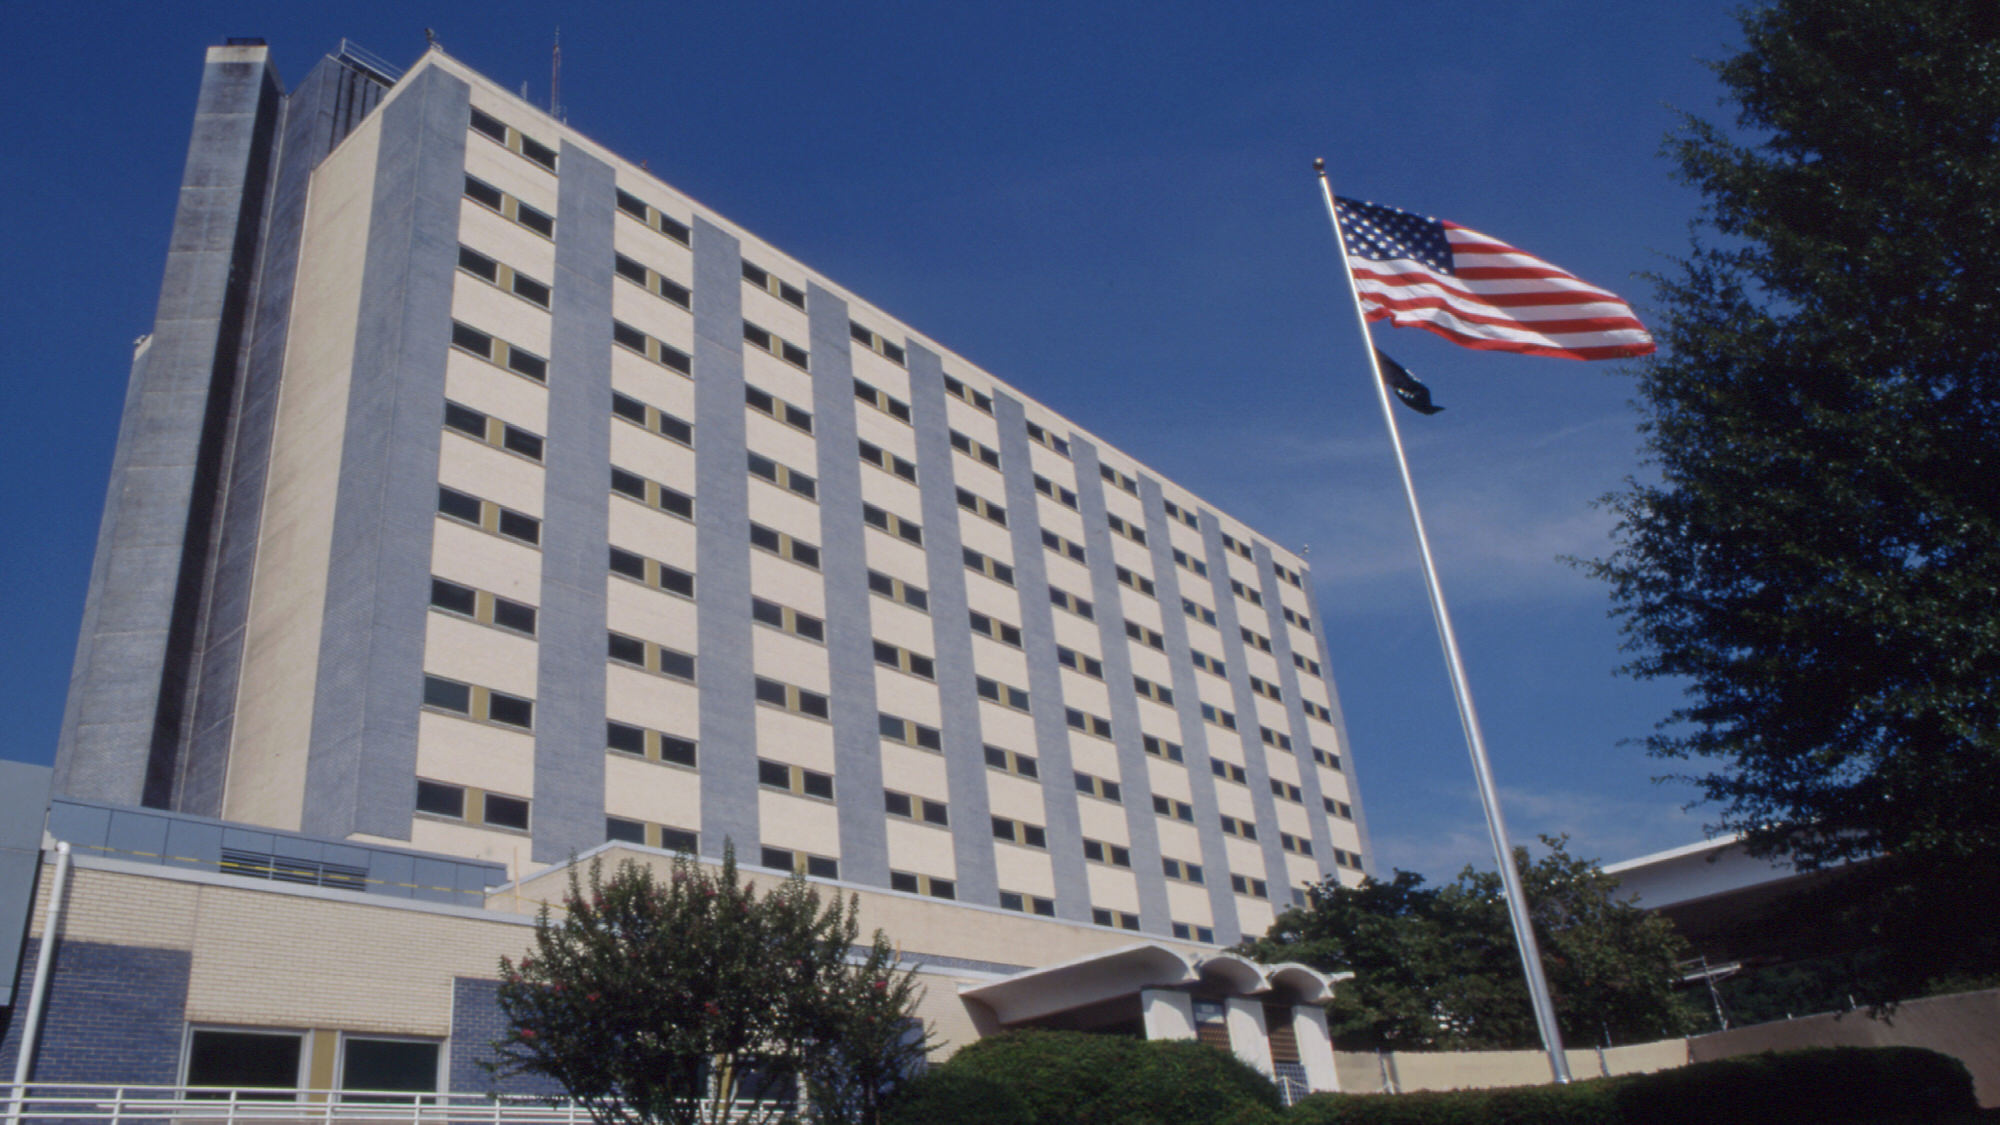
44 1103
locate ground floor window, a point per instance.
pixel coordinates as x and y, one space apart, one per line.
243 1059
402 1066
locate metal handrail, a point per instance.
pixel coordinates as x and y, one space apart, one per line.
132 1104
50 1103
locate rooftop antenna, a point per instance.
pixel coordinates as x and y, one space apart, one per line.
555 78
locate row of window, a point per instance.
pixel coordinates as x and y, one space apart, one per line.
656 658
631 205
477 806
455 802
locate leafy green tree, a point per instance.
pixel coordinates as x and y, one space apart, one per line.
1819 558
695 999
1435 967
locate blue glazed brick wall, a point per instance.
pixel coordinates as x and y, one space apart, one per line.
114 1014
475 1023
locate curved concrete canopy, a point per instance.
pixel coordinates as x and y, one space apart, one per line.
1127 970
1301 984
1085 980
1235 975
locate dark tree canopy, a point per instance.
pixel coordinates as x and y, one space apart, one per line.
1819 559
1435 968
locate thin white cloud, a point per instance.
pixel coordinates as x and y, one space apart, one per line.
1497 536
1602 828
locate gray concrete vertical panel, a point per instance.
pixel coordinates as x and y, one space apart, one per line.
722 551
1344 747
569 674
1295 711
1038 640
361 765
24 809
1187 708
124 723
1244 703
317 116
1142 826
951 630
857 739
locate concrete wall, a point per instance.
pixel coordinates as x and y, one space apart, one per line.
1363 1072
123 725
1965 1025
146 950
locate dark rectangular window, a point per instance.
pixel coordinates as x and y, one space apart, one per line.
458 505
514 525
522 442
513 615
536 221
630 409
447 694
539 153
403 1065
511 710
482 192
625 739
477 264
440 800
679 751
454 597
506 812
628 650
628 564
489 125
243 1059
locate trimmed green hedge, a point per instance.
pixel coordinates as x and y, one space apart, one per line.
1073 1078
1817 1087
1070 1078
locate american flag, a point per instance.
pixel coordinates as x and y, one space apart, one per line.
1417 272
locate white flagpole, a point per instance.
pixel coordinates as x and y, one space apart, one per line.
1489 798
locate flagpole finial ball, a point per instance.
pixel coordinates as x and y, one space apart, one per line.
1319 163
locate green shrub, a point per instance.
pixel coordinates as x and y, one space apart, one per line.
1818 1087
1809 1087
1582 1103
945 1095
1072 1078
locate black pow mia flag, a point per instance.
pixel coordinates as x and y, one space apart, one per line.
1415 395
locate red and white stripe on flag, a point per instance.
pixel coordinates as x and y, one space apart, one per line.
1496 297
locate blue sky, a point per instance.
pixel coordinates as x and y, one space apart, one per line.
1110 206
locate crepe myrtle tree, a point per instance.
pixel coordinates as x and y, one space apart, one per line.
694 999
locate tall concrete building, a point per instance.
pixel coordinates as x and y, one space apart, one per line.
479 493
